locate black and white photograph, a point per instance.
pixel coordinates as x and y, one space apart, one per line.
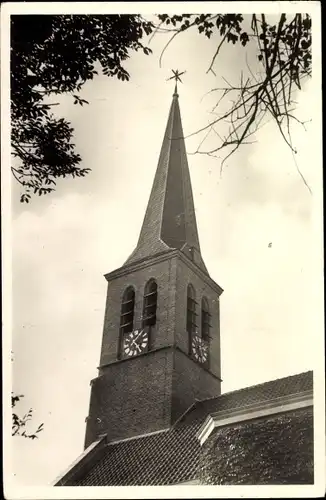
162 255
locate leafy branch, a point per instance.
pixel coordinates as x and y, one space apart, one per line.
19 423
55 55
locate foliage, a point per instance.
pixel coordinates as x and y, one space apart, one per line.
274 450
283 55
53 55
19 423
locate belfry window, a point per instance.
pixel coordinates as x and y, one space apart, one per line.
150 304
127 311
205 320
192 326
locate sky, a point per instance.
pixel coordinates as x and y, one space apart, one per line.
259 229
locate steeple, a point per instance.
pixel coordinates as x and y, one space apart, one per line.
170 220
161 334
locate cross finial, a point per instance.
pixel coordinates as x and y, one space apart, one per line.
176 76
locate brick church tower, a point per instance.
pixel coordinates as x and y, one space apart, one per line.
161 338
157 415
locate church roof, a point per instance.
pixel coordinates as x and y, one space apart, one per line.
170 220
172 456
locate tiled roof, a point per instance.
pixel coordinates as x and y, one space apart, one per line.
172 456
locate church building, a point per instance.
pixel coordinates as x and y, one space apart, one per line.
156 413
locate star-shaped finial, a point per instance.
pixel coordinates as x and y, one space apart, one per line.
176 76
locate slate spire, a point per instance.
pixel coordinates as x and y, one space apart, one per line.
170 220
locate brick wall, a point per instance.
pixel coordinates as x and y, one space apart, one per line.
132 397
190 382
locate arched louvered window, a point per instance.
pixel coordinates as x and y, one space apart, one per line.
150 304
192 326
127 311
205 320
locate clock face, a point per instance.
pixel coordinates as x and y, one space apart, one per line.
135 342
199 349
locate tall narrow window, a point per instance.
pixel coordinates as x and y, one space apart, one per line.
205 320
150 304
192 326
127 311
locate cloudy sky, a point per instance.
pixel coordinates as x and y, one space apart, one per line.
259 229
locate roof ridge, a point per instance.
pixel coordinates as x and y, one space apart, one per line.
257 385
270 400
138 436
179 419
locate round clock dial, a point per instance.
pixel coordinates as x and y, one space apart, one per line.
199 349
135 342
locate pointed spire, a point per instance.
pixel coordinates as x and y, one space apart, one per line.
170 220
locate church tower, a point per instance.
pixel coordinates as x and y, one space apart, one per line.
161 337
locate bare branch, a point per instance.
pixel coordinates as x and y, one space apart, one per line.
300 173
166 46
218 50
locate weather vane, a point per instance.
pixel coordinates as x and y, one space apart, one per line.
176 76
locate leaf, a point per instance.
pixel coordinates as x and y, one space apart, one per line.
244 38
305 44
